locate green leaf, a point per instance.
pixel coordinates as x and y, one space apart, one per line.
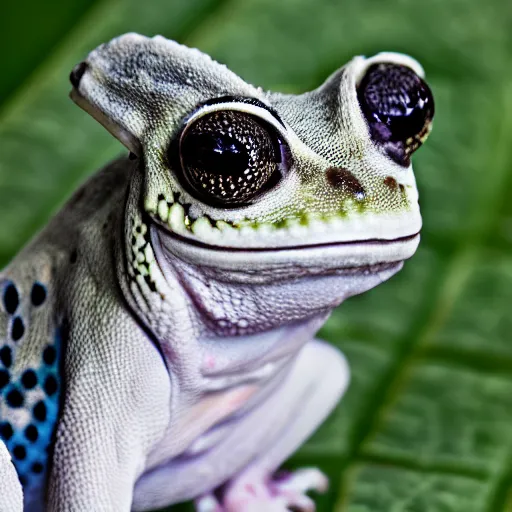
426 424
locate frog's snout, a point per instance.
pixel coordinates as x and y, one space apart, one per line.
77 74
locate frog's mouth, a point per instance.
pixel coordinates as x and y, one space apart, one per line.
308 243
343 257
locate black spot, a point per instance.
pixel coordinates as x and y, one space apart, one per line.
11 299
6 356
15 398
49 355
151 284
38 294
77 73
132 156
6 430
29 379
19 452
18 329
344 180
4 378
37 467
73 257
23 480
50 385
31 433
40 411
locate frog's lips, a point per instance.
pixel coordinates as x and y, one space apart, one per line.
365 256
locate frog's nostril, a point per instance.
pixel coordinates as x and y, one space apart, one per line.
342 179
77 73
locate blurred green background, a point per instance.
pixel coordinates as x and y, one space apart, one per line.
427 422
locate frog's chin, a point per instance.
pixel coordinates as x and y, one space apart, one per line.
364 258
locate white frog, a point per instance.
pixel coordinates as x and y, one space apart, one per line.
157 338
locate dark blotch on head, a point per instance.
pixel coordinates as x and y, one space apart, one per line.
50 385
11 299
49 355
343 179
6 430
29 379
15 398
31 433
6 356
19 452
37 467
38 294
23 480
391 183
4 378
73 256
40 411
18 329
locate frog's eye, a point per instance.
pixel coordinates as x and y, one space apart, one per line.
229 158
398 106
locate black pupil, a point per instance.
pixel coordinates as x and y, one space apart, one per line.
404 113
398 106
219 154
228 157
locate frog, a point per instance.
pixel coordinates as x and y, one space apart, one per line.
157 337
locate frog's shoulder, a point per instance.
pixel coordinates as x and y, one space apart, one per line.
101 194
30 376
34 319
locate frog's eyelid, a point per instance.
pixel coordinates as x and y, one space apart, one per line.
247 100
251 106
361 64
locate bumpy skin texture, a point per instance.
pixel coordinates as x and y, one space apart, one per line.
147 331
11 495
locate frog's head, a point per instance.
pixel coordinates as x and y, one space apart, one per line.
258 184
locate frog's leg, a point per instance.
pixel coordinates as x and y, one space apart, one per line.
272 494
115 408
11 494
258 444
315 385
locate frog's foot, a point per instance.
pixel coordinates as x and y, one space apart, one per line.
283 492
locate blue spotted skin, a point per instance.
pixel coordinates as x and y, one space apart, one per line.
30 386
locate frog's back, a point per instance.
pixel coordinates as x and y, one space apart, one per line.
34 320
